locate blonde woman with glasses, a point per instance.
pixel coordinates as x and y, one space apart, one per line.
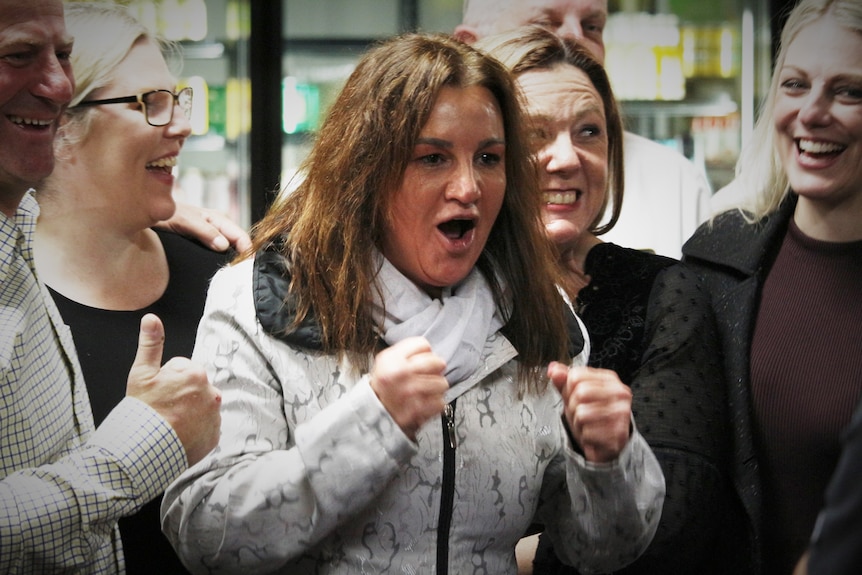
105 266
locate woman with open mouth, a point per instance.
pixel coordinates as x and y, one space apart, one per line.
384 354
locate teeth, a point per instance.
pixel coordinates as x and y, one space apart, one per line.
564 198
30 121
164 163
813 147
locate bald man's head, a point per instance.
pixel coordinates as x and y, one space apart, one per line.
583 20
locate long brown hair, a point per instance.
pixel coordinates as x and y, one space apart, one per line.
329 227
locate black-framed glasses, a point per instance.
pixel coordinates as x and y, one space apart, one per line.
158 105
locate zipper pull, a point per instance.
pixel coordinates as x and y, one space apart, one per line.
449 415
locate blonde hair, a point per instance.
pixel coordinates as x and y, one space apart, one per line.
759 171
531 48
104 34
329 227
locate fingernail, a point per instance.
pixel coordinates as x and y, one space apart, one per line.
221 243
149 328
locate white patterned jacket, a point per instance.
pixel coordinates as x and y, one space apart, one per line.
312 475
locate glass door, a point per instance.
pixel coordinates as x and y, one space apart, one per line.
690 74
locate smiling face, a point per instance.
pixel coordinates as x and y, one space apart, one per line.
36 84
570 138
451 192
818 113
126 160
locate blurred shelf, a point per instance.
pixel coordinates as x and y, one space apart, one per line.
203 50
678 109
205 143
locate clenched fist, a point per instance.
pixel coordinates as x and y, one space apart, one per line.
598 409
179 391
408 379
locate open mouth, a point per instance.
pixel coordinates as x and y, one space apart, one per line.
562 198
456 229
819 149
165 165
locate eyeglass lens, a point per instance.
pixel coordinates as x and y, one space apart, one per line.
160 105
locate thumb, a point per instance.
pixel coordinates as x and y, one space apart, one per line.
151 343
558 373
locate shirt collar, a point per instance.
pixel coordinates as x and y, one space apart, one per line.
16 234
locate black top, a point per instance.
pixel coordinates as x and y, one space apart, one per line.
650 321
106 342
835 548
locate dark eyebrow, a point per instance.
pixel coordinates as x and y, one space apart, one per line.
447 144
841 77
434 142
492 142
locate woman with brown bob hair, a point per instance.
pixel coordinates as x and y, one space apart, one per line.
382 353
650 321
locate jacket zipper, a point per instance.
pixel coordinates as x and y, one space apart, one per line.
447 494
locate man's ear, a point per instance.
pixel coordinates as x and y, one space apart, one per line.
466 34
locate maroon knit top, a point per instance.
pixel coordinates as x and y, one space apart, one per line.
806 378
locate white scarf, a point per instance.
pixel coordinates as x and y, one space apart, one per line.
457 325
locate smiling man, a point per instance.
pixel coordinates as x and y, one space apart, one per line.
64 483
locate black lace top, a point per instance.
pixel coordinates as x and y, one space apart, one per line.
650 321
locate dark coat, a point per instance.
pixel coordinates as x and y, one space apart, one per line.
733 258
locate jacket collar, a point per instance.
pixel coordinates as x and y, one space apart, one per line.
276 307
745 252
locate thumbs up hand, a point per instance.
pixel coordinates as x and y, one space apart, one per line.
179 391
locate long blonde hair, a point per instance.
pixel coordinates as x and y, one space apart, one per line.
759 172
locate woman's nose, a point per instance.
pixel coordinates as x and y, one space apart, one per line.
465 187
560 155
816 108
180 124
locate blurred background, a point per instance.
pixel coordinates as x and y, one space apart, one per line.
690 74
